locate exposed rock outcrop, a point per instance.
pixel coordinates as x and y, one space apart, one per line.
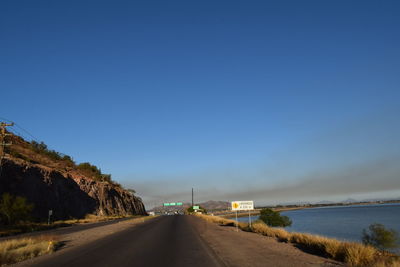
68 194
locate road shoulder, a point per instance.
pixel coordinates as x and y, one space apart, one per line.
251 249
74 240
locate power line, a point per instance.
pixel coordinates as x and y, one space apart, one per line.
20 127
26 131
15 132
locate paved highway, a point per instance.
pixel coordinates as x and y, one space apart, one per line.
163 241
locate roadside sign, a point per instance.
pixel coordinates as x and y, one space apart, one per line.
196 207
172 204
50 214
242 205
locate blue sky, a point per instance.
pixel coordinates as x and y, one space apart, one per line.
233 98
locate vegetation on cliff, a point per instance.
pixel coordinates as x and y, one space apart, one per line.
39 153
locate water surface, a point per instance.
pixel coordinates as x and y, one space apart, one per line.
341 222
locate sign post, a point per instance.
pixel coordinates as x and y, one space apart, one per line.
237 223
242 205
249 219
50 213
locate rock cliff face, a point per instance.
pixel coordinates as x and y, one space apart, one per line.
68 194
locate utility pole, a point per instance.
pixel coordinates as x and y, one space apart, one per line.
3 144
3 135
192 197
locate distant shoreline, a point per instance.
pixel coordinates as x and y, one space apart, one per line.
255 212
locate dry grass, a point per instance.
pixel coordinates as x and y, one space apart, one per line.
217 219
352 253
33 227
91 218
387 263
15 250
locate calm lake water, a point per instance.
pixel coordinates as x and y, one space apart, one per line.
344 223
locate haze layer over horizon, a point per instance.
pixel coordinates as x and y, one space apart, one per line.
275 102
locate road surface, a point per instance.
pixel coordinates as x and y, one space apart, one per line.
163 241
174 241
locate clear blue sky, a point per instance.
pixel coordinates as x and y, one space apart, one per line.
226 96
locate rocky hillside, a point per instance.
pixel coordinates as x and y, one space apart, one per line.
52 181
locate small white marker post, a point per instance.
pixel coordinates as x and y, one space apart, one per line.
249 219
237 223
50 213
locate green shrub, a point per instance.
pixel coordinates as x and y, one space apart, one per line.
68 159
273 218
201 209
18 155
14 208
41 148
380 237
89 168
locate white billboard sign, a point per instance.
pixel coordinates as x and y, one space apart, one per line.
243 205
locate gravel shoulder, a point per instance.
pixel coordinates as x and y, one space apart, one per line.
251 249
73 238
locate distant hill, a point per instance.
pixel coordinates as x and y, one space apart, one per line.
215 205
349 200
324 202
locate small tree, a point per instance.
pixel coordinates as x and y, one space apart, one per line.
273 218
131 191
201 209
190 209
380 237
14 208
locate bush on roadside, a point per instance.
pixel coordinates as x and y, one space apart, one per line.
190 210
14 209
273 218
380 237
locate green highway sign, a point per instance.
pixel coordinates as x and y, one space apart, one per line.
172 204
196 207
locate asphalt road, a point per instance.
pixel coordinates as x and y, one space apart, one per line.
163 241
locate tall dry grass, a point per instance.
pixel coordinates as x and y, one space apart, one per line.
91 218
351 253
15 250
33 227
